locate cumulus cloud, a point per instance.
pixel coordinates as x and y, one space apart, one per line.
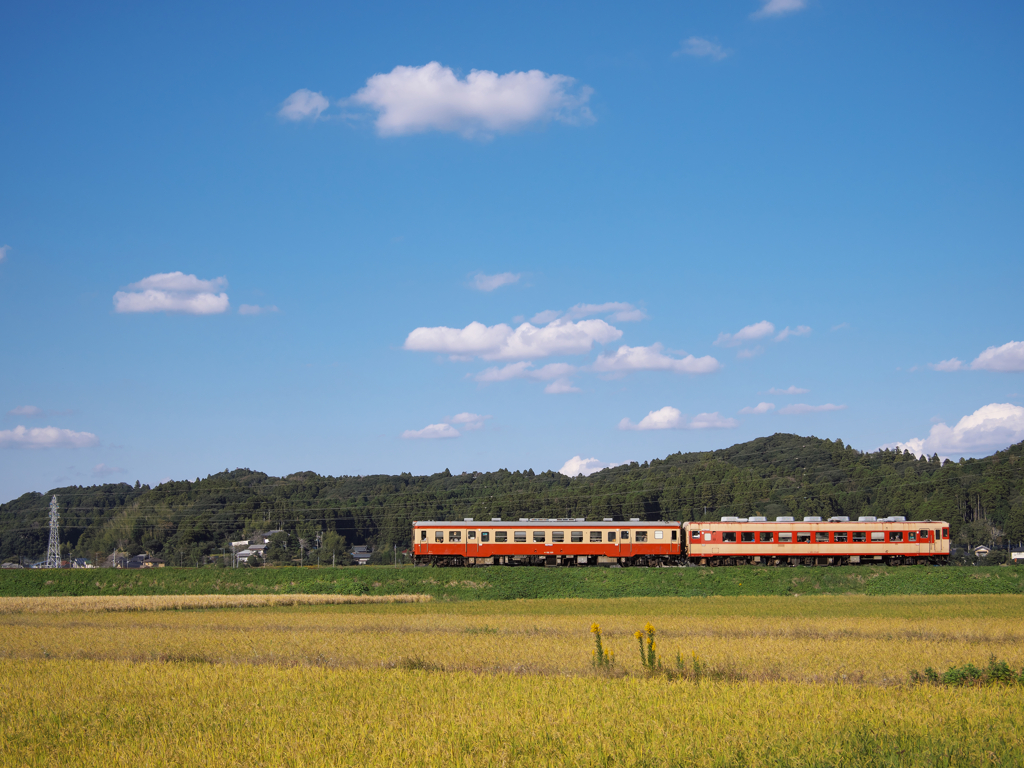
800 330
254 309
953 364
671 418
430 432
501 342
556 373
433 98
468 421
746 333
580 466
652 359
799 408
792 389
779 8
3 251
25 410
45 437
102 470
1009 357
990 428
759 408
173 292
701 48
489 282
304 104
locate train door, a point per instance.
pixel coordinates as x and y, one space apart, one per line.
471 543
625 543
927 543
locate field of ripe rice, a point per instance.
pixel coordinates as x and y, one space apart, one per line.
815 681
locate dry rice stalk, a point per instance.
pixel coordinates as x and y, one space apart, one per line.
186 602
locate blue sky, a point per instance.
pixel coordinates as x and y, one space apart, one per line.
394 237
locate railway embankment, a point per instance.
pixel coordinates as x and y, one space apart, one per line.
504 583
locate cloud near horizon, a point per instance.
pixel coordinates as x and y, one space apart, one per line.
759 408
750 332
617 311
580 466
555 373
468 421
990 428
800 408
173 292
432 97
45 437
1009 358
671 418
501 342
25 410
652 359
792 389
488 283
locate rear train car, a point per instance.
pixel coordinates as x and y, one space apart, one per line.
813 541
563 541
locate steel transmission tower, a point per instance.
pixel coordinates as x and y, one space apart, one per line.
53 551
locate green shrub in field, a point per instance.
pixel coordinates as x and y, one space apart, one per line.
996 673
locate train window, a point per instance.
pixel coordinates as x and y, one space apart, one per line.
707 535
911 536
945 533
454 536
471 535
859 537
485 536
659 534
695 535
558 536
423 535
641 536
765 536
895 535
539 537
839 537
611 535
595 536
500 537
520 536
923 536
576 536
729 536
747 536
439 537
785 537
624 536
877 536
821 537
674 535
803 538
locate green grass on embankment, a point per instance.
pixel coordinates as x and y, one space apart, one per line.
503 583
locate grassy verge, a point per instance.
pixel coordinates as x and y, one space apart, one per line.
519 583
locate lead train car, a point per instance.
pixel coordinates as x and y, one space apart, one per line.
566 541
812 541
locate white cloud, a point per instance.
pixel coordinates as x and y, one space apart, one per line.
432 98
652 359
501 342
102 470
3 251
698 46
800 330
431 431
25 410
45 437
779 8
304 104
840 326
545 317
759 408
557 373
468 421
254 309
1009 357
990 428
671 418
579 466
618 311
798 408
792 389
746 354
953 364
490 282
746 333
561 387
173 292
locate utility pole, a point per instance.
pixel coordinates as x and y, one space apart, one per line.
53 550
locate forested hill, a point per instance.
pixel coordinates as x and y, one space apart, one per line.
182 521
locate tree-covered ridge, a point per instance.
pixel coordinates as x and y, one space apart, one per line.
182 521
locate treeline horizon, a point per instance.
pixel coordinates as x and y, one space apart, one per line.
189 521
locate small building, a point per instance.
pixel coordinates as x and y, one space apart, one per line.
361 555
1017 555
11 565
981 551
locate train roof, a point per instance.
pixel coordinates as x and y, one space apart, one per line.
575 521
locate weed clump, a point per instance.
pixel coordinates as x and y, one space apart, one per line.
995 673
648 649
603 659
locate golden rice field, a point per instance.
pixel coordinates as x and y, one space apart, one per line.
817 681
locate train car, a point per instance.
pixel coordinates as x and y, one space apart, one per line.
545 541
813 541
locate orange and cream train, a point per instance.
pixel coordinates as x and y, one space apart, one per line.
729 541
